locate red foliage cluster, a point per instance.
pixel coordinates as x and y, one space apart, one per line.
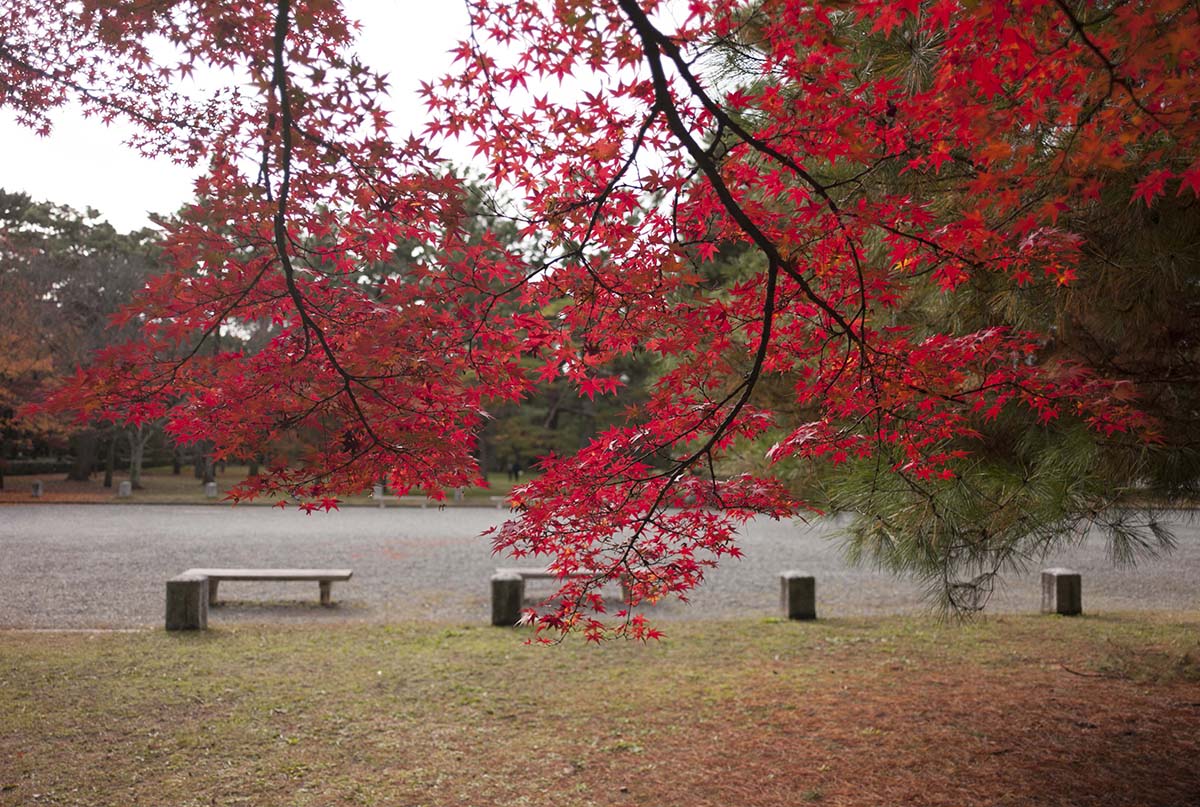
636 160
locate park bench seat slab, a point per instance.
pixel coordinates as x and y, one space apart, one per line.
275 574
323 577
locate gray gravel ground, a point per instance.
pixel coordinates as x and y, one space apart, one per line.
101 566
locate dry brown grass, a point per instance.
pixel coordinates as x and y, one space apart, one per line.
1010 711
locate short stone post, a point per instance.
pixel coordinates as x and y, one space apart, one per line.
37 489
187 602
798 595
210 490
508 593
125 490
1062 592
377 495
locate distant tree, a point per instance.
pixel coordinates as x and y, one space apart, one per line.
25 364
64 275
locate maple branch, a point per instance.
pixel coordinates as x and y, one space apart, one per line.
725 120
746 387
1109 65
279 82
92 95
343 153
597 203
220 319
662 91
166 377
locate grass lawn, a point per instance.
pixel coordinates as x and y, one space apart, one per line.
160 486
1008 711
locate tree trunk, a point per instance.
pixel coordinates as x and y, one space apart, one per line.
138 437
176 462
253 470
588 429
110 463
554 404
86 448
483 452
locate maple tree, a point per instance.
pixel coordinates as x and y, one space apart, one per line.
1028 486
636 158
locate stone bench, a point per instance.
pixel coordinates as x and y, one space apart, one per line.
191 594
323 577
508 590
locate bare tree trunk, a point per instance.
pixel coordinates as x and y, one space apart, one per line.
483 452
110 463
176 462
202 463
554 394
86 448
138 437
588 429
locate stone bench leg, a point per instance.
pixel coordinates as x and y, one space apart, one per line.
798 595
508 593
212 592
1062 592
187 602
326 592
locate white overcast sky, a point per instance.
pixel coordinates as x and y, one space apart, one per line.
84 164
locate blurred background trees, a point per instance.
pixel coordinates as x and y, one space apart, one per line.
63 274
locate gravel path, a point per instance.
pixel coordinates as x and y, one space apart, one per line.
100 566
